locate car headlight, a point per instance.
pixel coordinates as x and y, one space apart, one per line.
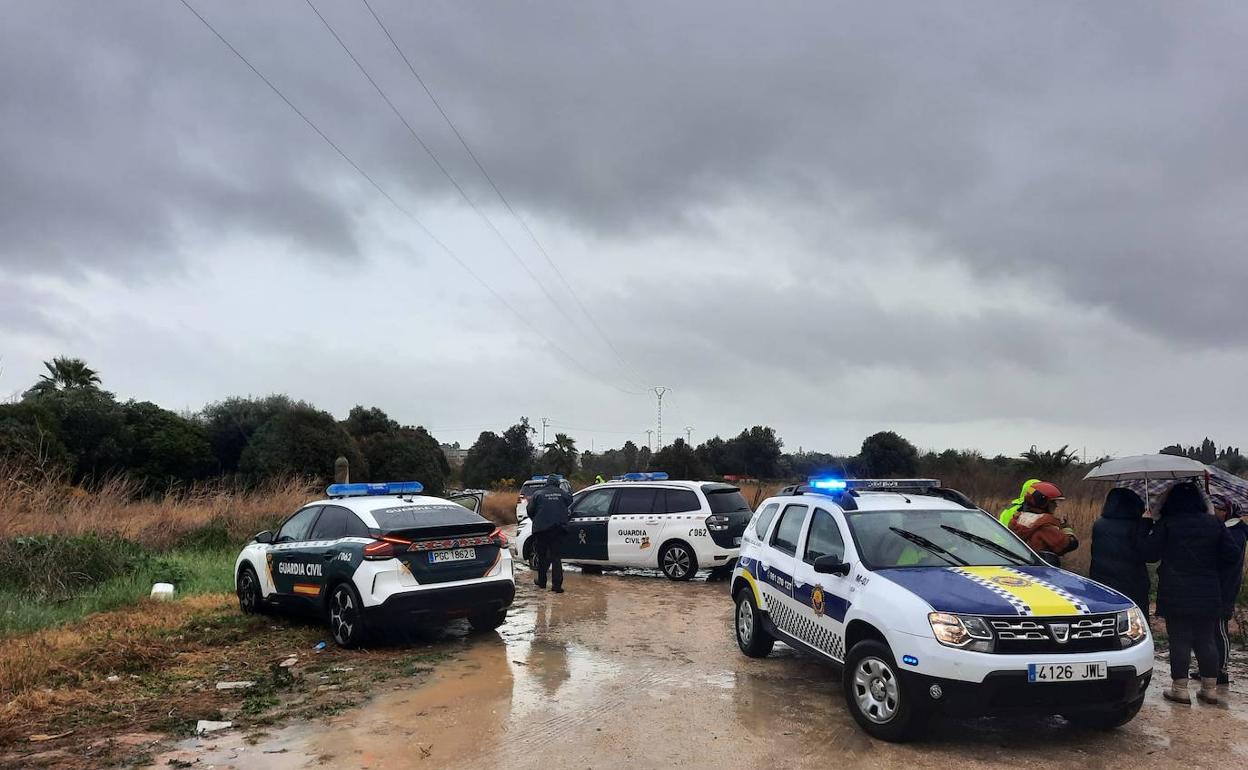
966 631
1132 626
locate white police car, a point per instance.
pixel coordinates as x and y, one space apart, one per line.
646 520
379 555
929 603
527 490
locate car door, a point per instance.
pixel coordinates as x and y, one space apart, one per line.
636 523
473 501
290 554
822 599
777 565
586 538
683 518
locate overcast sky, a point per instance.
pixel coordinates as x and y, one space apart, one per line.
982 225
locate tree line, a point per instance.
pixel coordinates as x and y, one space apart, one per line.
66 423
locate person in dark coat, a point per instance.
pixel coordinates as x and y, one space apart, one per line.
1232 577
1116 558
1193 547
548 510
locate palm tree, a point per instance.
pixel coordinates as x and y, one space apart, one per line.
1049 462
561 454
65 373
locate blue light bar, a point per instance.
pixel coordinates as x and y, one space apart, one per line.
830 485
544 476
654 476
375 489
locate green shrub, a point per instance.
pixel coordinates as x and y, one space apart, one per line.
59 566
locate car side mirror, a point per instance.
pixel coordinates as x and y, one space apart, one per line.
831 565
1050 558
263 537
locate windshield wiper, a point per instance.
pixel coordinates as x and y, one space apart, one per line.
923 542
984 542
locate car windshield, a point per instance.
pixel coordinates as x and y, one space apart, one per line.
935 539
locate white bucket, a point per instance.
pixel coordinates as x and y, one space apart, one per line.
162 591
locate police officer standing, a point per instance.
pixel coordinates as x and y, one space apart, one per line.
548 510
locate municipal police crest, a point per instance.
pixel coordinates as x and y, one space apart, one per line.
816 600
1010 581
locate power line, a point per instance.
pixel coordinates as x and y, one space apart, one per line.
523 224
437 162
412 217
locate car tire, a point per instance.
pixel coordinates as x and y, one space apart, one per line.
1106 719
752 638
877 696
250 597
345 613
590 569
482 622
678 561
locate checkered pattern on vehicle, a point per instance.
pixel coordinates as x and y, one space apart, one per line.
796 624
1020 606
1080 605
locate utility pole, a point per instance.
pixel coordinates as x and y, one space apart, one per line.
649 433
688 434
659 392
545 422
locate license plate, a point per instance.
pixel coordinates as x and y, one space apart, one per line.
1066 672
455 554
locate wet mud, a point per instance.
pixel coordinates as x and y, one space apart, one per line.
630 670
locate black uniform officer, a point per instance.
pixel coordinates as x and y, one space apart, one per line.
548 510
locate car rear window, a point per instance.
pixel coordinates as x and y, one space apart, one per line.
726 500
429 515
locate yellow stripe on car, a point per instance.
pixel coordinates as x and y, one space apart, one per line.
1042 598
758 597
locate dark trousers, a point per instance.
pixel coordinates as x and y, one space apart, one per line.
1188 634
1223 640
548 548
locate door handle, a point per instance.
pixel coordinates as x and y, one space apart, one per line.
653 522
328 554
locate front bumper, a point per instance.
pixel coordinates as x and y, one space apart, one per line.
1010 692
429 605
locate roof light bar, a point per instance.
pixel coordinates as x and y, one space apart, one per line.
831 485
544 476
375 489
653 476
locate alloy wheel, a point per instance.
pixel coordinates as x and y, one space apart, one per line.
342 615
745 621
676 562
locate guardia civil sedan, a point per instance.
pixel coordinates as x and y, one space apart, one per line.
930 604
374 557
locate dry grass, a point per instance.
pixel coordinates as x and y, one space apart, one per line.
47 505
500 506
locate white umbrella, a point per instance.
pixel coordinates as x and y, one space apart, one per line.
1147 467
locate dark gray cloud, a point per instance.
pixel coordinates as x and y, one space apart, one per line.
1094 151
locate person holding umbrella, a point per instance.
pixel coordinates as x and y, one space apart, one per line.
1116 558
1192 547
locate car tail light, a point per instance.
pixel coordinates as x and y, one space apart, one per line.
499 537
717 522
386 548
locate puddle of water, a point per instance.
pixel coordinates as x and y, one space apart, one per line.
630 670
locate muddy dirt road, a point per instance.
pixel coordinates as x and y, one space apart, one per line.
633 671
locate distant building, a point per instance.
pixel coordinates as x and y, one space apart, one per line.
454 454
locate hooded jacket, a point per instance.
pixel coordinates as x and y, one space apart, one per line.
1232 573
1043 532
1116 558
1193 548
548 508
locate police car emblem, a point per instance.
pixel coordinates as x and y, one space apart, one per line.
816 600
581 535
1010 581
645 542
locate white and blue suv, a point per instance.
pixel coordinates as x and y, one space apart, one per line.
931 605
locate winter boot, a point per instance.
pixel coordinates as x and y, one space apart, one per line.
1208 691
1178 692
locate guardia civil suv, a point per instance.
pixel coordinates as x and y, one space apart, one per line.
648 520
930 604
373 557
